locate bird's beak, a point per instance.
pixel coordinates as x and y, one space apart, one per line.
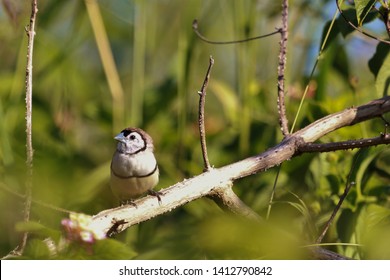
120 137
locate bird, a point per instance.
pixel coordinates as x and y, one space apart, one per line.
134 169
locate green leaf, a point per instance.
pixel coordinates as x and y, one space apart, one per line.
377 60
228 237
382 82
363 7
345 28
363 160
383 163
37 250
372 230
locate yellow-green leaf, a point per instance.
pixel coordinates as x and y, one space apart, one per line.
363 7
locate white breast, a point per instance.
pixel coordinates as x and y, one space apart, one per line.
139 164
133 175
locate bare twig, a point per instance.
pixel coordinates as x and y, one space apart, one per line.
335 210
224 197
345 145
30 30
283 121
203 38
357 28
202 131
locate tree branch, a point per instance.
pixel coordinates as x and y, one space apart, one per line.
345 145
217 179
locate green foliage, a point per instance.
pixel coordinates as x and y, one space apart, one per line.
161 66
363 7
248 240
382 83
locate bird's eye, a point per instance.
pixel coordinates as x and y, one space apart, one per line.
132 137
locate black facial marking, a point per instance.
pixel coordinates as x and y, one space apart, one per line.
125 132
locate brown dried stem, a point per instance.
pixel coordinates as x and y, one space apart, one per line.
283 121
203 38
334 212
345 145
202 130
348 186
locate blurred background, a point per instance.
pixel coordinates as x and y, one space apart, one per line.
85 91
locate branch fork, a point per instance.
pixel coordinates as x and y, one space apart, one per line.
217 182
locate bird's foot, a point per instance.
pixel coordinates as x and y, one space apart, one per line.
156 194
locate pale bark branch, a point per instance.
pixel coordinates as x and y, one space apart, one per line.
217 179
226 199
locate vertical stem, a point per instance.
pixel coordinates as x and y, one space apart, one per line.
283 121
30 30
202 131
281 69
335 210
